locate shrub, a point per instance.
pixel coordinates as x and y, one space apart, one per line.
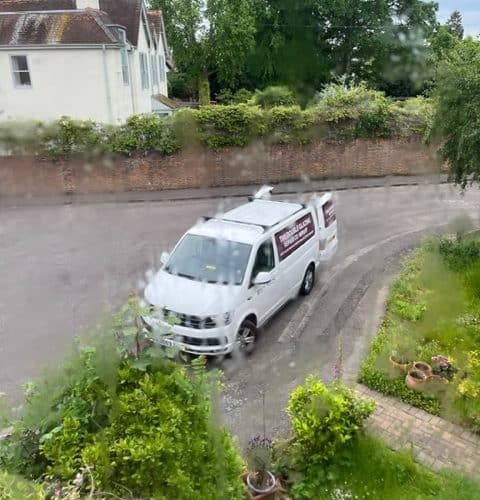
143 134
274 96
339 111
13 487
241 96
290 124
459 255
131 415
222 126
324 419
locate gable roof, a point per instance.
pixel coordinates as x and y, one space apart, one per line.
126 13
155 19
53 28
56 22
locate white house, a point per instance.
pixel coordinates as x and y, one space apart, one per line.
102 60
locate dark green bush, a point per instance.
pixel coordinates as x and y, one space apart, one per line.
324 419
459 255
222 126
274 96
338 112
127 416
227 97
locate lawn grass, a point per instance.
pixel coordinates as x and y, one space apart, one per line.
433 308
368 469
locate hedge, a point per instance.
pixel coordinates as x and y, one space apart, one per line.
337 113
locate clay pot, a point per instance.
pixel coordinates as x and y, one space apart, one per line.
415 380
423 367
399 368
255 493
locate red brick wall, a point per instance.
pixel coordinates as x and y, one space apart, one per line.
254 164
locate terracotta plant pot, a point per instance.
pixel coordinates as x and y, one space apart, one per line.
423 367
399 368
268 493
415 380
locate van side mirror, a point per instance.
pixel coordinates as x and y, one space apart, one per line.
262 278
164 258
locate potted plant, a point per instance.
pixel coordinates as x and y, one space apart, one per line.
260 480
443 368
415 379
423 367
402 354
399 362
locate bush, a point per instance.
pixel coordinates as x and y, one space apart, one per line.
339 112
222 126
274 96
131 418
241 96
459 256
324 419
356 111
290 124
13 487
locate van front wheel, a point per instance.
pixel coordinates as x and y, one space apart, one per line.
246 337
308 280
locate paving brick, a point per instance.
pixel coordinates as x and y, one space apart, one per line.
433 441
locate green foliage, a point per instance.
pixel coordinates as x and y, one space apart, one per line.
131 416
290 124
368 469
304 44
457 113
338 112
357 110
215 38
13 487
143 134
222 126
434 305
274 96
324 419
180 86
241 96
459 256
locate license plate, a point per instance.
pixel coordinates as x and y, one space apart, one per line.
166 342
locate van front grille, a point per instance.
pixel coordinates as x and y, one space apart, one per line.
190 321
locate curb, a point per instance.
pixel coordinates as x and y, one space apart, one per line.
343 184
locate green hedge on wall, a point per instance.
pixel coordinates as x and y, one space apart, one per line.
338 112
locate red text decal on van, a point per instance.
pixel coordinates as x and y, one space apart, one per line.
329 213
292 237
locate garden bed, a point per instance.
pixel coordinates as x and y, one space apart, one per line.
433 310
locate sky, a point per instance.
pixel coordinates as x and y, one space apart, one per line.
470 10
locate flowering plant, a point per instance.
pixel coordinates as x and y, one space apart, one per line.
443 367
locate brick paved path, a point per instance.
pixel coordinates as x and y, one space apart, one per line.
435 442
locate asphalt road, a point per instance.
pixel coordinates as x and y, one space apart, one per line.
63 268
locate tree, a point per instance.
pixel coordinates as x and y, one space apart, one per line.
212 38
304 43
454 24
457 115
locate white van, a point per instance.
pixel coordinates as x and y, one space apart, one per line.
228 274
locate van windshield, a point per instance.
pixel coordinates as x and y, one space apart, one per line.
211 260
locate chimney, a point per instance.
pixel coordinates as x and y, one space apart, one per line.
84 4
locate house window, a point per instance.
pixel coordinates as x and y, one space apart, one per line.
154 66
161 66
20 71
124 62
144 71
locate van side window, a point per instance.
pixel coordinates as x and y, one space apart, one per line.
265 259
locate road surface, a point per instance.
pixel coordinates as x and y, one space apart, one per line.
63 268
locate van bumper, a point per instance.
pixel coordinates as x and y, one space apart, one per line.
210 342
